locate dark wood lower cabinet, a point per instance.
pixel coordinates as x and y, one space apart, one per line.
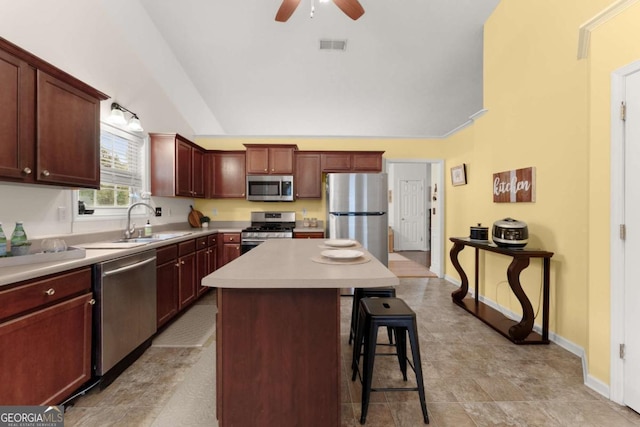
166 284
278 357
46 355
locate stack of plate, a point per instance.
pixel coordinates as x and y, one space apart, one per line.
341 254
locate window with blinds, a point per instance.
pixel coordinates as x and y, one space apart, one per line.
121 172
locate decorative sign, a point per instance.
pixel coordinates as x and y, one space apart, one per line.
515 186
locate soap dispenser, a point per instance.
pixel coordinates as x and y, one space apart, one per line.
147 229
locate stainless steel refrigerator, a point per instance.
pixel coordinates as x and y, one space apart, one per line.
357 209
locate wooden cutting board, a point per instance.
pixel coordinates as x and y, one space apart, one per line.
195 217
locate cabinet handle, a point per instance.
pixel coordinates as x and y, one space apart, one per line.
45 172
182 262
92 301
50 291
178 265
265 170
272 170
26 171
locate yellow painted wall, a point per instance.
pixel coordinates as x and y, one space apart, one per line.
546 109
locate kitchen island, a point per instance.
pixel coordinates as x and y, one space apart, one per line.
278 333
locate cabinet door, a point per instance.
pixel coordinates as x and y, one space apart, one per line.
166 291
17 118
187 279
68 134
197 172
367 162
281 160
230 176
336 162
46 354
231 252
202 268
258 160
183 169
308 183
209 176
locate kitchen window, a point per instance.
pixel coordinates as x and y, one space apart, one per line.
122 175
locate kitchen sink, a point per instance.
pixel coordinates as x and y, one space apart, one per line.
157 237
137 241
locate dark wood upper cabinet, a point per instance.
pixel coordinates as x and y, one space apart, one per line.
270 159
226 174
352 161
308 181
49 123
177 166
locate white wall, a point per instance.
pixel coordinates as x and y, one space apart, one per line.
112 46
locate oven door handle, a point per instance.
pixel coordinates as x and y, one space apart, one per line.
128 267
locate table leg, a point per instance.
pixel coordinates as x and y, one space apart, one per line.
520 330
459 294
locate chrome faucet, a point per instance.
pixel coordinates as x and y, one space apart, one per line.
131 228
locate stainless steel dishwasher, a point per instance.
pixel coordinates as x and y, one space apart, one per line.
125 317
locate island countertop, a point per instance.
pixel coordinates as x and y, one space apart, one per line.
288 263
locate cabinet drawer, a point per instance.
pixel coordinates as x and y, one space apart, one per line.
185 248
213 239
231 237
309 235
201 243
166 254
44 291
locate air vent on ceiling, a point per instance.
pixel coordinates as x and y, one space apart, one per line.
328 44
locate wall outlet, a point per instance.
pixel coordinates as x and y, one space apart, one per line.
214 211
158 211
62 213
304 212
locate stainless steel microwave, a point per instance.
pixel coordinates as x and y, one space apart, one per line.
270 188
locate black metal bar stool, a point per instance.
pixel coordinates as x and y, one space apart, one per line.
360 293
396 314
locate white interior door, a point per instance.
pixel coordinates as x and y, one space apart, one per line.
631 341
412 235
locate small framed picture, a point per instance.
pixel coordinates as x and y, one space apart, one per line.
459 175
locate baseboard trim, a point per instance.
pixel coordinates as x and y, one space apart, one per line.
593 383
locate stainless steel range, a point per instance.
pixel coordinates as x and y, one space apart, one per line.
267 225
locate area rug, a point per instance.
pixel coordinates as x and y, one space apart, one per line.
404 267
191 329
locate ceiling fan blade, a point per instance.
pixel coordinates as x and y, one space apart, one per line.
352 8
286 10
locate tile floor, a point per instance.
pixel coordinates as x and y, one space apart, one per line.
473 377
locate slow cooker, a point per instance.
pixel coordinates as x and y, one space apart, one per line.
511 233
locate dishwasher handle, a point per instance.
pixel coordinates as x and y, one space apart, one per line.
128 267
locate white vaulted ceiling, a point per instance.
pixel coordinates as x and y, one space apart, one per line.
411 68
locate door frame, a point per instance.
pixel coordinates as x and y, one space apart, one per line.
437 247
617 251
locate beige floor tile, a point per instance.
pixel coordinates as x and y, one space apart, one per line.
473 376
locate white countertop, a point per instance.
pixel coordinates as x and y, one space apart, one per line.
287 263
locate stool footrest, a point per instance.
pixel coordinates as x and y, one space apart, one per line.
395 389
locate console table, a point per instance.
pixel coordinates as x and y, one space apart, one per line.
518 332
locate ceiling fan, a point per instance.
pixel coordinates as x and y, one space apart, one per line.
352 8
